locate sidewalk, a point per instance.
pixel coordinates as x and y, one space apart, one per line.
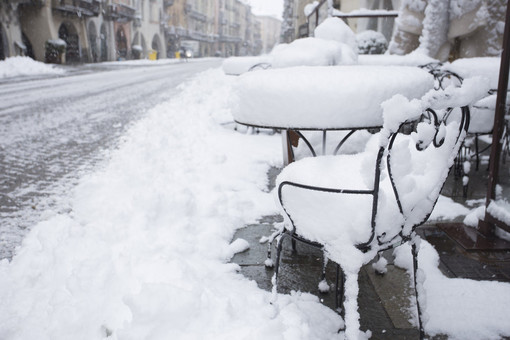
383 300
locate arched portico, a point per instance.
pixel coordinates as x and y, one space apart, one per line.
4 46
69 34
121 42
104 43
156 45
92 35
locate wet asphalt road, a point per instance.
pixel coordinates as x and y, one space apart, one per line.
53 130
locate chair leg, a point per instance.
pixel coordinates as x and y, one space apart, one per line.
279 244
340 291
416 289
477 153
323 284
269 261
274 280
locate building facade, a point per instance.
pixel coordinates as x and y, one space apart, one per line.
270 32
67 31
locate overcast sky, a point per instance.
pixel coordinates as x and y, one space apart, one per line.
267 7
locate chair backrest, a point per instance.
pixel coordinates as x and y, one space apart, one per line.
418 164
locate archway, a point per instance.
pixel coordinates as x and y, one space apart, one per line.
156 45
92 33
4 47
68 33
30 51
121 41
104 43
144 47
136 48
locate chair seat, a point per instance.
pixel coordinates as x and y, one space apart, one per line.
329 192
333 219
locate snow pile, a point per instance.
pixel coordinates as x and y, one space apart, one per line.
142 254
459 308
324 97
336 29
334 44
312 52
24 66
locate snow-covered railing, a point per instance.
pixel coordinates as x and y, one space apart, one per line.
315 11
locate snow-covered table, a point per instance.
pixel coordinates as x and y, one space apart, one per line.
324 98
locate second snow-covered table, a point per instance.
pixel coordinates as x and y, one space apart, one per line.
323 98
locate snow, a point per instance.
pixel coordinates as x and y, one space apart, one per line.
487 67
336 29
459 308
411 59
143 251
334 44
334 218
371 42
482 115
309 8
324 97
501 210
312 52
23 66
239 65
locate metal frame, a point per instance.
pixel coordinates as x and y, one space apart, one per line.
429 115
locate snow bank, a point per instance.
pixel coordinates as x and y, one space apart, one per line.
25 66
459 308
143 253
325 97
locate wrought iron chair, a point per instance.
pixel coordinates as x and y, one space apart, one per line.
352 207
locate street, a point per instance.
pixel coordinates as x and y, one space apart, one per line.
55 130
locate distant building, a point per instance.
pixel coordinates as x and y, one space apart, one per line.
12 40
148 29
270 32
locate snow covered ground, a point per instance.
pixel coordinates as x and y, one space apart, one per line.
22 66
144 252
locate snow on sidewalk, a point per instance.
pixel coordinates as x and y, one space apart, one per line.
144 252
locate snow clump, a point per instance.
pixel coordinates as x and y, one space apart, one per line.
24 66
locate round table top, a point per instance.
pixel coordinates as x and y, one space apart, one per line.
324 97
